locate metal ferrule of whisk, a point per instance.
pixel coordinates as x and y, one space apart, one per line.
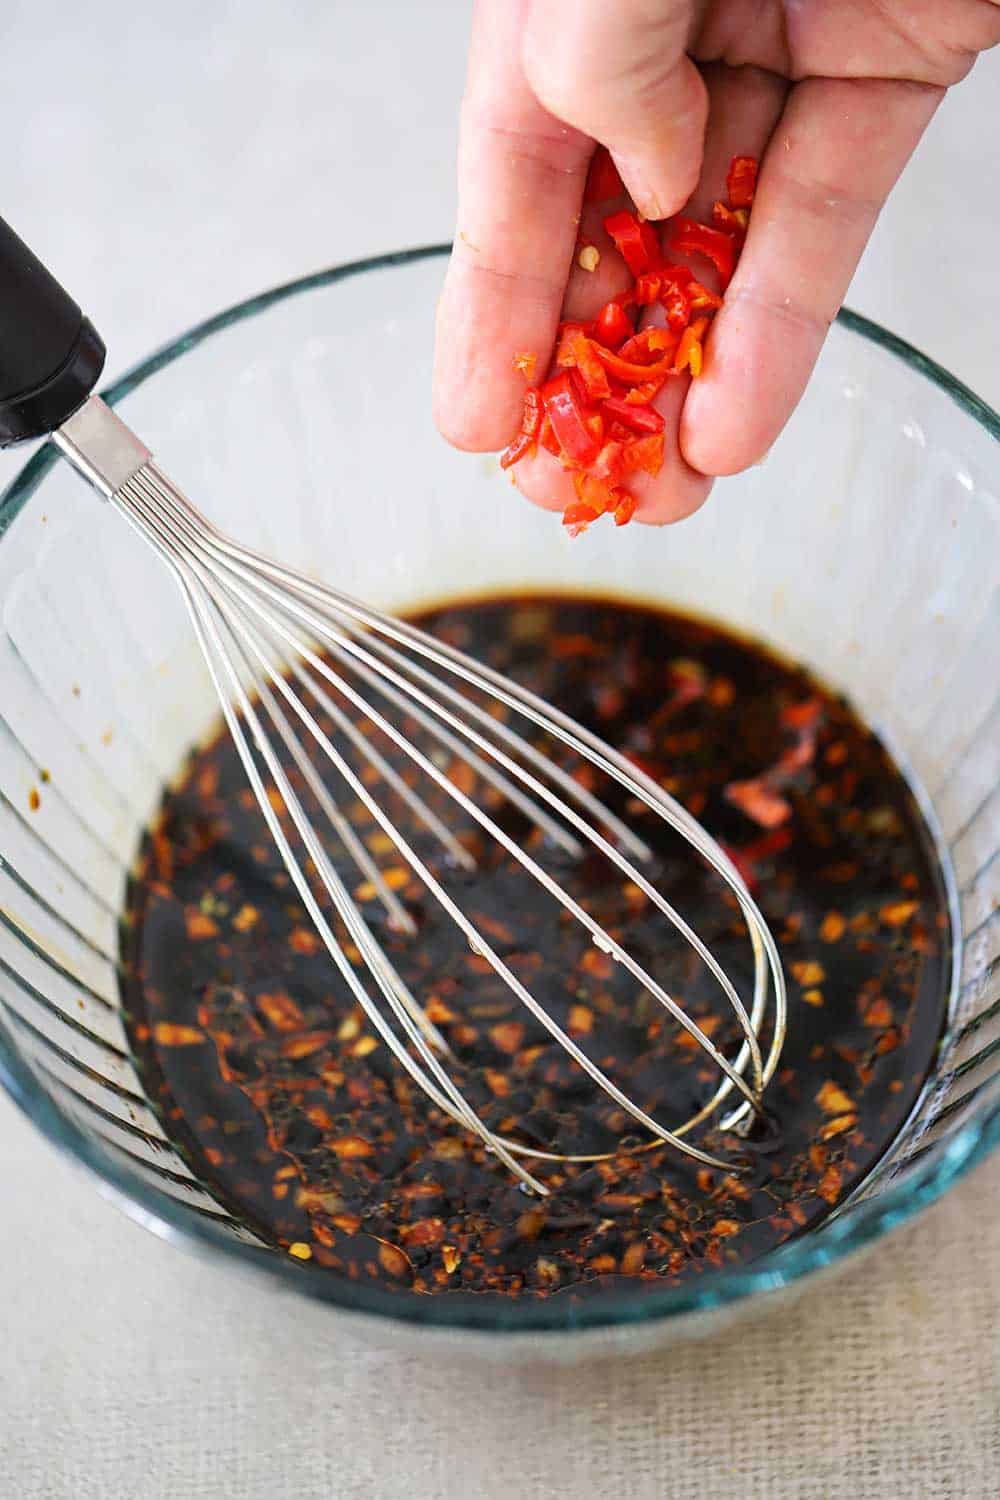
287 655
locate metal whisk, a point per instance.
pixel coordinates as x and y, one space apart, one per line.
303 671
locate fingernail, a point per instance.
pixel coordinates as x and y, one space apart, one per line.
643 196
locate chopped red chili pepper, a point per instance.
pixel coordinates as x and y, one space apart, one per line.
691 238
676 303
645 453
701 297
642 395
577 517
647 346
531 421
547 438
741 181
596 415
637 241
729 221
613 325
689 349
568 417
625 509
526 363
630 373
639 418
576 351
609 463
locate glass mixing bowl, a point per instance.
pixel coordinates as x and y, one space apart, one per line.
866 546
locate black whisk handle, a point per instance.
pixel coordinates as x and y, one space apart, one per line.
50 355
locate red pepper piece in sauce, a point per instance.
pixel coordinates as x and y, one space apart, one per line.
637 241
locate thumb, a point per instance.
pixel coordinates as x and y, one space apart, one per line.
620 73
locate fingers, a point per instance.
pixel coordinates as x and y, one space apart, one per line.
620 74
745 104
520 183
676 492
833 158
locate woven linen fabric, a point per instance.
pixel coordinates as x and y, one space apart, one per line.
132 1370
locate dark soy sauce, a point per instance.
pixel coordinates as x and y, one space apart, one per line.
289 1107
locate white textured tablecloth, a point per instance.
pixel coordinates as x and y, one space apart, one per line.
199 154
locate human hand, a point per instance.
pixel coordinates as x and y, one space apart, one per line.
831 95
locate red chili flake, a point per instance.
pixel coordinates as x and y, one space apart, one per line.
169 1034
304 940
878 1015
351 1147
305 1046
438 1012
726 1227
199 926
897 913
394 1261
759 801
832 927
282 1011
838 1126
424 1234
808 971
831 1185
633 1259
833 1101
507 1036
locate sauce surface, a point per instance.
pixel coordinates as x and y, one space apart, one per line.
295 1115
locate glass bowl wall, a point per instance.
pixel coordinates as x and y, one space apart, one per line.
866 546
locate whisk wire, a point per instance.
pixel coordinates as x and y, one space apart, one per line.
248 614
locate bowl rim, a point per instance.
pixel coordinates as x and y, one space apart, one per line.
869 1218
